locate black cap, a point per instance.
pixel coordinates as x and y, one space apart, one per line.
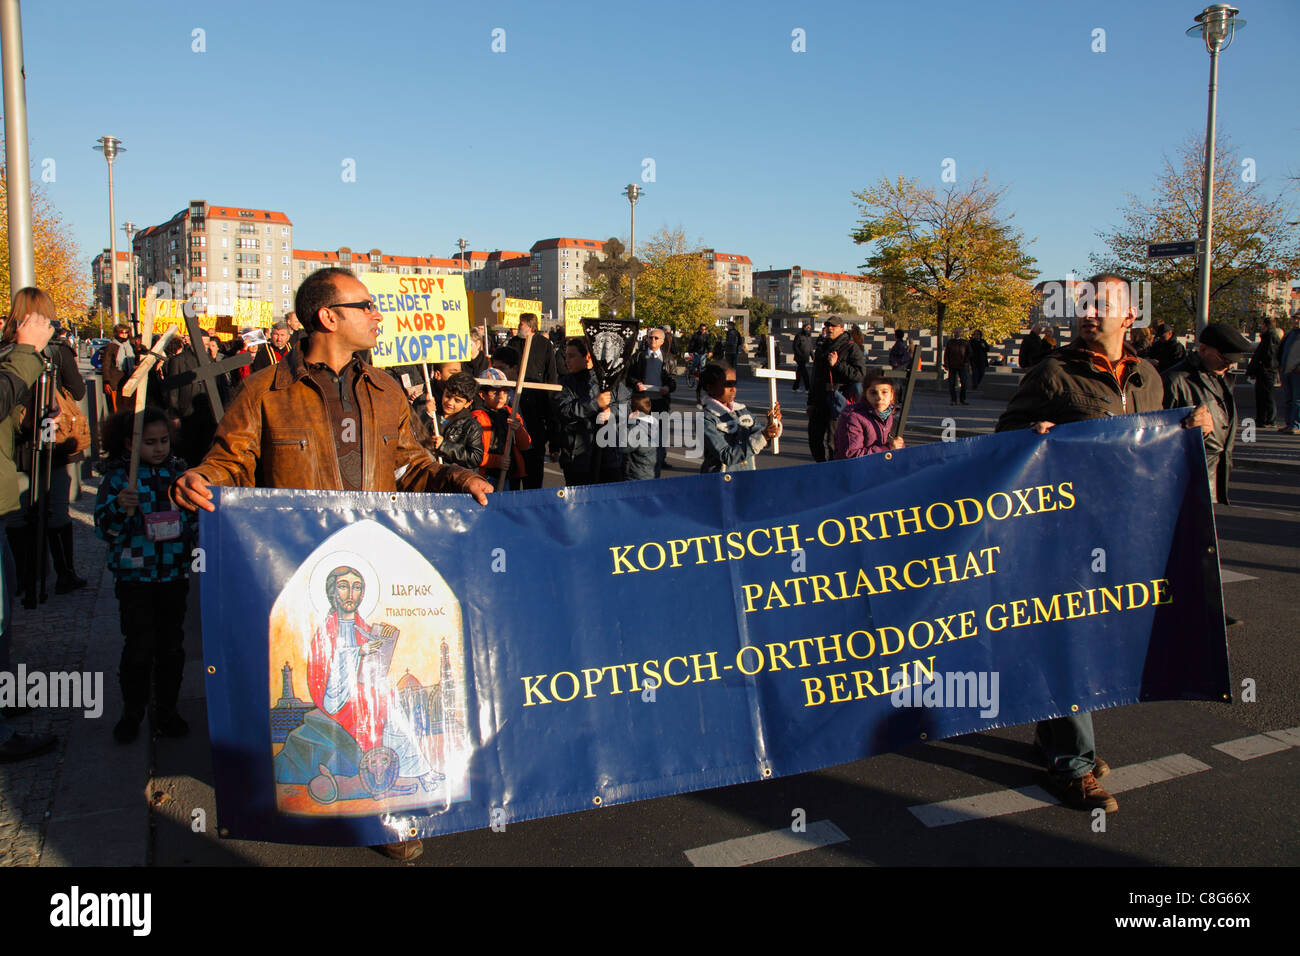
1231 344
1161 329
834 320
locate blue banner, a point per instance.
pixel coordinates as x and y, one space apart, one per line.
389 666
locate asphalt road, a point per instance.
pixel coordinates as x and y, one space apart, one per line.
1183 801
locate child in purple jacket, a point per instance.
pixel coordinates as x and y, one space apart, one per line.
863 428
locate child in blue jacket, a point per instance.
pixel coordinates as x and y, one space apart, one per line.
149 553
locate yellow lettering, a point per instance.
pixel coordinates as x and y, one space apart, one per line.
774 594
622 559
1019 613
821 536
1066 490
837 685
711 665
640 555
1002 620
811 686
749 598
1145 595
871 643
573 677
907 574
669 677
835 644
740 660
749 543
1045 613
1160 586
1074 605
530 688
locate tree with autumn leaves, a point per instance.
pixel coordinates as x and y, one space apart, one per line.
58 270
951 250
1253 239
674 287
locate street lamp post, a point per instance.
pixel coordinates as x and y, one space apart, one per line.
633 193
129 228
1216 25
18 188
110 146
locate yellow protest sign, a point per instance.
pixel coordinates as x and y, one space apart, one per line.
512 309
575 310
253 313
423 318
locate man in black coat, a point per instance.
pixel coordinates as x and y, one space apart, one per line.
534 407
803 347
1166 351
837 362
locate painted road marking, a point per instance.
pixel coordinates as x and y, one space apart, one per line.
1248 748
743 851
1002 802
1232 577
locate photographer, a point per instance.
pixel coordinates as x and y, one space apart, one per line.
25 334
60 364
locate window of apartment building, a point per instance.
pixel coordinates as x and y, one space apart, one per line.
225 242
284 289
284 230
284 260
284 246
225 227
225 273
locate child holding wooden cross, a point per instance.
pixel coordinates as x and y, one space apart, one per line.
149 548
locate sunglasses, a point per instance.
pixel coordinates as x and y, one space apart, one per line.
728 383
367 306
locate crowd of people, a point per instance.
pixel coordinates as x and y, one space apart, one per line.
457 427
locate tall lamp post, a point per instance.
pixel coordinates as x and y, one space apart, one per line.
22 261
1216 25
110 146
633 193
129 228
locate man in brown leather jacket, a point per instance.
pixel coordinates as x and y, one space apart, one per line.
323 419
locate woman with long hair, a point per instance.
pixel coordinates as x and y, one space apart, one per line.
19 441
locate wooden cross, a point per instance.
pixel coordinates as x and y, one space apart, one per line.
138 385
905 408
772 373
208 370
519 387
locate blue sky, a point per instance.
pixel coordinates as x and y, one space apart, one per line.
757 149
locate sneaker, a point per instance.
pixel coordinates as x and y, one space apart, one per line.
404 852
1085 793
22 746
126 729
171 725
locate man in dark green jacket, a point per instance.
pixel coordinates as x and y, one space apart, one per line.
1097 376
20 367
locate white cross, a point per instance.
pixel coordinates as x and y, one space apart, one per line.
771 373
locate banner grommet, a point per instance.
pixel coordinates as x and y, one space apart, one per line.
212 669
1074 708
559 492
596 801
726 477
